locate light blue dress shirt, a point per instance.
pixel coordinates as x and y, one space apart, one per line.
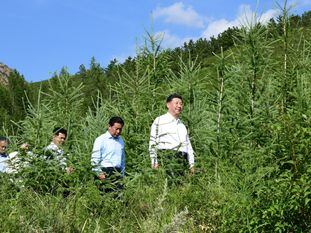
108 152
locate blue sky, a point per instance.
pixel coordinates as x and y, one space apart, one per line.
39 37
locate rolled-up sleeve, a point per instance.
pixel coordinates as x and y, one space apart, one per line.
190 152
96 157
153 142
123 161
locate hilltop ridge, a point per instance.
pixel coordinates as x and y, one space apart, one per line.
4 74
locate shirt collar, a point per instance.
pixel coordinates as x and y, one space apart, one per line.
170 117
4 155
53 144
108 135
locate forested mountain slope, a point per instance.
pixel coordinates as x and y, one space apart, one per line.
12 95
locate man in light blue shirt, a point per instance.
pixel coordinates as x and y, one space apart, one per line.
108 156
4 157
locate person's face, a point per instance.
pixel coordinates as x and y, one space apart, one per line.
3 146
115 130
59 139
175 107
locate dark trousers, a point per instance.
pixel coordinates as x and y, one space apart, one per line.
175 165
113 180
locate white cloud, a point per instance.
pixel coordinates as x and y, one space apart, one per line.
178 13
265 17
216 27
245 17
170 40
248 17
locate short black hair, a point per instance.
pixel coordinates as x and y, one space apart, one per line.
2 138
116 119
172 96
59 130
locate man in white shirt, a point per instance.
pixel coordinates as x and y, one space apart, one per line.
54 150
170 134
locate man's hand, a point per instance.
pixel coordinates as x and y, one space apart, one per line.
192 170
24 146
101 176
155 166
69 170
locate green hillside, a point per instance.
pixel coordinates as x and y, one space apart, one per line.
247 97
13 88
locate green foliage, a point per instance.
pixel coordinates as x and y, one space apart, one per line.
12 99
248 114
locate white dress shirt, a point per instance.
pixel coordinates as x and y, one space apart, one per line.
168 133
57 152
